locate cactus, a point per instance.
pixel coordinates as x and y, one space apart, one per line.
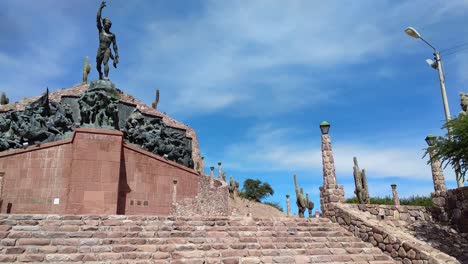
300 199
156 101
4 99
233 186
310 205
86 70
360 180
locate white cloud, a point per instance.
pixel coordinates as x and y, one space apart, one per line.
285 149
271 54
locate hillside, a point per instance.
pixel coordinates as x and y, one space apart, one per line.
239 208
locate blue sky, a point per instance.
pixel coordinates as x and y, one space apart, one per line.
255 78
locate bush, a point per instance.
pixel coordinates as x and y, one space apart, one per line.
387 200
275 205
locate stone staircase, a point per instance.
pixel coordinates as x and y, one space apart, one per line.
151 239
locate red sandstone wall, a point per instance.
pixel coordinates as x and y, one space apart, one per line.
34 177
147 183
93 173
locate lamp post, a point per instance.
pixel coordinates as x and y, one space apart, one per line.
437 64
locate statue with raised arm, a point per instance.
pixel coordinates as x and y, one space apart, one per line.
106 38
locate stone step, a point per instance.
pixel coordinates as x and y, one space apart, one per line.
141 239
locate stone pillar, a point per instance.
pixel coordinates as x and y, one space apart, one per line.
202 166
437 174
288 205
396 199
220 172
211 175
330 192
440 190
174 192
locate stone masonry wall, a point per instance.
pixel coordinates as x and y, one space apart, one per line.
397 245
400 212
212 199
451 207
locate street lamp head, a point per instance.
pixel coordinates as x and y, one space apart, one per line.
324 127
410 31
430 140
433 64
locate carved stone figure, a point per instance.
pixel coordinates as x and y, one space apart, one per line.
360 180
41 121
154 136
106 38
99 107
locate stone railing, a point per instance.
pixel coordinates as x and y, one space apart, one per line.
394 242
395 212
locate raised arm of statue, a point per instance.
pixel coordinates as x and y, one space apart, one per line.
98 17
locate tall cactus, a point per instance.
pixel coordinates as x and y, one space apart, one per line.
310 205
360 180
300 199
156 101
86 70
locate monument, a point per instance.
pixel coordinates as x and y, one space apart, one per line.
103 150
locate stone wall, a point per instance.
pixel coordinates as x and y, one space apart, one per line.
94 172
393 212
212 199
146 183
451 207
396 244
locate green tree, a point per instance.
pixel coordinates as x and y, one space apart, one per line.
256 190
453 150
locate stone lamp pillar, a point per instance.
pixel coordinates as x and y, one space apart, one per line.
220 172
439 194
288 205
396 199
330 192
202 166
211 175
437 172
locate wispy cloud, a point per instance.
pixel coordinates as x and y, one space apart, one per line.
270 54
286 149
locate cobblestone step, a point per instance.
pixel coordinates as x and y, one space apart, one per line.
140 239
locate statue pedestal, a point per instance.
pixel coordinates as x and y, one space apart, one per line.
104 85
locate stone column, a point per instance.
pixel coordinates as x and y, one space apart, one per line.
174 192
328 163
396 199
211 175
330 192
220 172
202 166
437 174
440 190
288 205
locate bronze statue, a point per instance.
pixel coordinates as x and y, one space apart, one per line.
105 39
